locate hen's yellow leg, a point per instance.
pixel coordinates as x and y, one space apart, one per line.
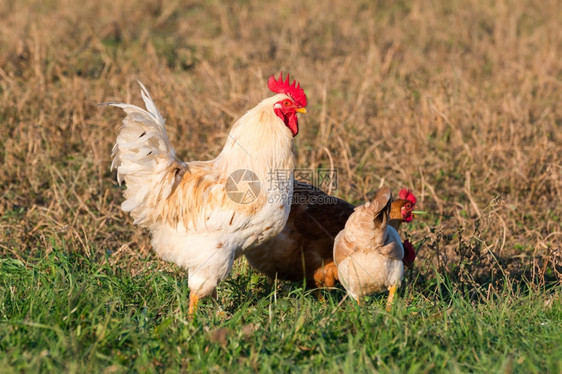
391 292
193 300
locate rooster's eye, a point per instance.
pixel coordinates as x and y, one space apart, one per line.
408 206
286 103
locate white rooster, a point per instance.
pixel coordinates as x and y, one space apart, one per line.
198 217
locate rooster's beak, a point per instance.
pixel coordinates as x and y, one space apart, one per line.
300 110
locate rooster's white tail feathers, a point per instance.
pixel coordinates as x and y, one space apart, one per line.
143 157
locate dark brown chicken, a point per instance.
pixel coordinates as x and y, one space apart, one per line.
304 249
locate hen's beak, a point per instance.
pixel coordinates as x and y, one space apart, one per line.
300 110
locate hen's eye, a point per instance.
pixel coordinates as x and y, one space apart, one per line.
286 103
408 206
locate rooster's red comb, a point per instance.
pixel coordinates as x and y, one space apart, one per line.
406 194
293 90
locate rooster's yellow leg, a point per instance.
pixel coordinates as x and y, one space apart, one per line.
391 292
193 300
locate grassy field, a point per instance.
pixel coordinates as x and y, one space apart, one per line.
460 101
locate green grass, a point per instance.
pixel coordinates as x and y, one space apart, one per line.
65 311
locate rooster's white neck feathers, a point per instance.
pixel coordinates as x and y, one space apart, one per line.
252 139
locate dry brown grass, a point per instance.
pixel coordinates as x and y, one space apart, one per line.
458 100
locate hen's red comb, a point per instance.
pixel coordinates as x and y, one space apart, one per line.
406 194
293 90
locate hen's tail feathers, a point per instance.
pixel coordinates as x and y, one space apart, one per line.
381 202
144 159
